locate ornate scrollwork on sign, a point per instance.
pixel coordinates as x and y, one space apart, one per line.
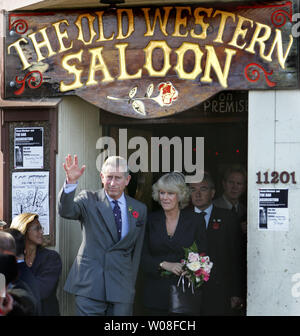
33 81
279 17
256 75
20 26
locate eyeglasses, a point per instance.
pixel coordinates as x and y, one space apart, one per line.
36 228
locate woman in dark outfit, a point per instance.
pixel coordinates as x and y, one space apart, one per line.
44 264
168 231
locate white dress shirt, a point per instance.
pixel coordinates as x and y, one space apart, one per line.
208 213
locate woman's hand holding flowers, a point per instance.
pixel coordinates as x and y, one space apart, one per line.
172 267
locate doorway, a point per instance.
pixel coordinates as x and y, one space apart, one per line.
223 123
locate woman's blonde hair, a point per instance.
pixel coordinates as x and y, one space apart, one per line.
172 182
22 221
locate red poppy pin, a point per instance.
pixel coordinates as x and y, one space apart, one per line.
216 224
134 213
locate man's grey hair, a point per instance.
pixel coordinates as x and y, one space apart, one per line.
7 242
115 163
207 178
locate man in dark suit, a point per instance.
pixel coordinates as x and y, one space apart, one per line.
234 185
104 273
223 290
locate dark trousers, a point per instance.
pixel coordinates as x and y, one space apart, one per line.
90 307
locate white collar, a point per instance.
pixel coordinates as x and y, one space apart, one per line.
207 210
120 200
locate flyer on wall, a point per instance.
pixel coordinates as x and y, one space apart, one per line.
273 210
28 145
30 192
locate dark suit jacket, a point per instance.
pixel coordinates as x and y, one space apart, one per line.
159 247
221 203
46 270
225 251
105 268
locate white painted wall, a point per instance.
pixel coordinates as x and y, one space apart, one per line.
273 257
78 131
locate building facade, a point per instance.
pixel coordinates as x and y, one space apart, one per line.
159 83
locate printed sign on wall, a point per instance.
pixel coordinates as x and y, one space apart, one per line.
273 210
29 150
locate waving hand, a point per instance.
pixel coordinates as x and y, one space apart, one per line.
73 172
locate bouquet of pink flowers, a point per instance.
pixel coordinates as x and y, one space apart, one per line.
196 266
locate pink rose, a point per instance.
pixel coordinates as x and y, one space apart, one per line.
193 257
206 276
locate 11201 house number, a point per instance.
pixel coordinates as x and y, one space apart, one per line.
276 177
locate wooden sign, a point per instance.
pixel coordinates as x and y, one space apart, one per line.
147 62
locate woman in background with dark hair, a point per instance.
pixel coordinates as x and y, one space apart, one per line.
44 264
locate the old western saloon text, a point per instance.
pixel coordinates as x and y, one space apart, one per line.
192 24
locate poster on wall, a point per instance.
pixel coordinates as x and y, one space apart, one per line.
28 145
30 193
273 210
